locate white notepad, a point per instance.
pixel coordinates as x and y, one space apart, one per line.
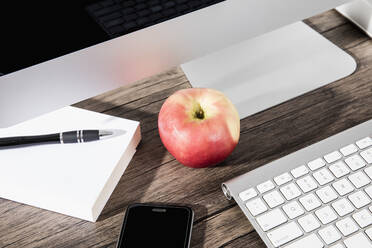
71 179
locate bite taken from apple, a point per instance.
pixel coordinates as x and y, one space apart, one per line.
199 127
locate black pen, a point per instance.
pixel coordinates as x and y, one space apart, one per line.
79 136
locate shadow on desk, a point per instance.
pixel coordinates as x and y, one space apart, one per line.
287 138
199 228
136 183
141 171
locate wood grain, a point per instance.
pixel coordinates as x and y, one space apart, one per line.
154 176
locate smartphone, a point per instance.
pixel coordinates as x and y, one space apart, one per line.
149 225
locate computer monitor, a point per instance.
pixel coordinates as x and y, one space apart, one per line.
65 80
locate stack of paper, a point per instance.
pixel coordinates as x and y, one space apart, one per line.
72 179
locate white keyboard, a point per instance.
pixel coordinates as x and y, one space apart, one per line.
324 202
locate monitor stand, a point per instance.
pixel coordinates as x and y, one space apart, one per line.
360 13
270 69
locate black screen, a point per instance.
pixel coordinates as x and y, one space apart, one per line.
36 31
149 226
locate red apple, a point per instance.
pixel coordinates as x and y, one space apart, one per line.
199 127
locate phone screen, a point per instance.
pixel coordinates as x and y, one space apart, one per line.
156 226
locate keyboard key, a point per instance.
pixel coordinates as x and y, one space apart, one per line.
194 4
106 10
364 143
368 171
369 233
332 157
339 245
358 241
290 191
363 218
348 150
128 3
311 241
248 194
326 215
130 17
326 194
155 17
359 179
107 3
329 234
181 8
367 155
343 207
339 169
347 226
143 20
293 210
343 187
156 8
116 29
285 234
151 2
114 22
129 11
256 206
368 190
273 199
309 223
310 202
266 186
143 13
169 12
323 176
169 4
306 184
299 171
355 162
140 6
359 199
282 179
109 17
316 164
271 219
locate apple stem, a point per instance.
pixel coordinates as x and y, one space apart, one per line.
199 113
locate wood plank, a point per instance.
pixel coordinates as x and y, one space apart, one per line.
220 225
154 175
346 36
326 21
250 240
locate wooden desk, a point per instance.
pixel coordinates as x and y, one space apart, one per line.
154 175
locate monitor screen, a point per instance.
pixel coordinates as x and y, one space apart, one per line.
36 31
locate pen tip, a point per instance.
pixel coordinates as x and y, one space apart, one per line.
103 133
